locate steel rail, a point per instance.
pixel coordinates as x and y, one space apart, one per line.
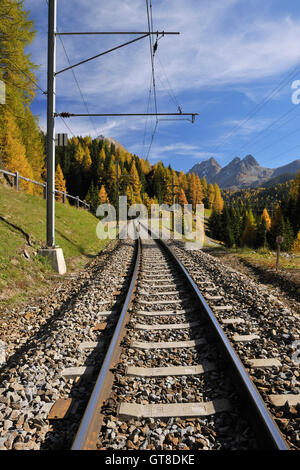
269 434
87 433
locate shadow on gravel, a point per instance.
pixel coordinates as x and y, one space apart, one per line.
46 330
63 431
289 286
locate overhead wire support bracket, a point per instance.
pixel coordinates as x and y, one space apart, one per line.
114 32
53 34
146 34
68 115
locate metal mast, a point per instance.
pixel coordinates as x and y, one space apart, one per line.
53 251
51 124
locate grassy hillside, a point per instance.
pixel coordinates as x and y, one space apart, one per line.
23 232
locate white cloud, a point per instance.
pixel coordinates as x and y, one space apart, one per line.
218 49
163 152
246 126
209 52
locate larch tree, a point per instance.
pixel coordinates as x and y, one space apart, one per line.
248 237
130 195
296 244
295 188
175 186
182 181
33 142
86 161
205 192
103 195
211 196
13 152
17 71
135 183
79 155
192 189
147 202
265 216
60 183
182 200
218 202
16 68
199 191
145 166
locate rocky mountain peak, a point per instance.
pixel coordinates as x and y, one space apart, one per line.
250 160
243 173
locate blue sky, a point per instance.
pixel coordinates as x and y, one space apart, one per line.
230 55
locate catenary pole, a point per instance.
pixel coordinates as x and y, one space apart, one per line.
51 114
51 123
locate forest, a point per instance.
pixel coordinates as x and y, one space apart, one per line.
244 222
21 141
261 197
97 170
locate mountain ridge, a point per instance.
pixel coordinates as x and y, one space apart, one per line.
241 173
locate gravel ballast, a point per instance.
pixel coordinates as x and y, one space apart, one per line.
44 339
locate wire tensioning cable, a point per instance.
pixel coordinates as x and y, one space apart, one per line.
77 84
269 126
150 20
278 140
152 138
152 52
146 120
260 105
170 90
285 152
70 130
17 68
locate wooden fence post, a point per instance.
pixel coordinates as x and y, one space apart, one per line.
279 241
17 180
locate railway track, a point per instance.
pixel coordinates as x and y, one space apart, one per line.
171 379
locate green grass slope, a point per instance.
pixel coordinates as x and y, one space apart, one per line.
23 232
